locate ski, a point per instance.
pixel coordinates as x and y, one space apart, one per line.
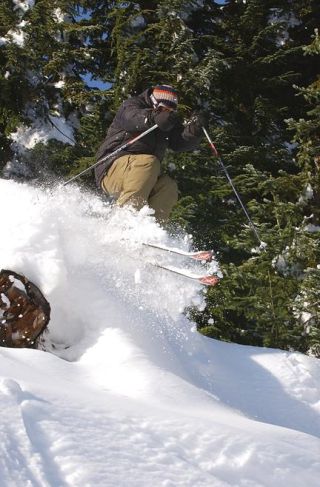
205 280
202 255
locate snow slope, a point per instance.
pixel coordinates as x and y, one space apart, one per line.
139 398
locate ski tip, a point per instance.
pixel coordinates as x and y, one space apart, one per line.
209 280
205 255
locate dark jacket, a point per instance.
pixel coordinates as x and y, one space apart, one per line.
134 117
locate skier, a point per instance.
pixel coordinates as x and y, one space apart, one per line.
134 176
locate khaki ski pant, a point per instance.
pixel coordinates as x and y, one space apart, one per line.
135 180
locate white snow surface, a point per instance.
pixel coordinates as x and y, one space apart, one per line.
139 398
16 36
57 128
23 5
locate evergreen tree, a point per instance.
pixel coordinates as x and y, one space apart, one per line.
156 42
47 50
305 249
264 58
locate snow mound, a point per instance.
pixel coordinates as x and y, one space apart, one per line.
87 258
138 397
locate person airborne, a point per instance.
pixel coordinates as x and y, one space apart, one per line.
134 175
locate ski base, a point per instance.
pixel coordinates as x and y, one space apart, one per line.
204 280
202 255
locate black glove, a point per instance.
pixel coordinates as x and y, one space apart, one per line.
197 121
165 119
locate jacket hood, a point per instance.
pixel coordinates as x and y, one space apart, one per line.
145 95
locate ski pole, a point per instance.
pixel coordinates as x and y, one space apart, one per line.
112 154
216 154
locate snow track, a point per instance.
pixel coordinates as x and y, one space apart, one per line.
139 398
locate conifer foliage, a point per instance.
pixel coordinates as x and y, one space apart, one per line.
47 50
306 248
251 66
